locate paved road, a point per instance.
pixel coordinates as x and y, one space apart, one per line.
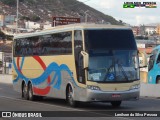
11 101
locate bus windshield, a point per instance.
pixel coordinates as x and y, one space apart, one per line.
112 56
113 66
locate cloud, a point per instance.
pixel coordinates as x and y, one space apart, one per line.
138 19
107 4
143 19
132 16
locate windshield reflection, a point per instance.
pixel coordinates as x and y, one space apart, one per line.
113 66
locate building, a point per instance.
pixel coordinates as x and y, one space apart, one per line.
144 30
47 25
32 25
7 20
5 63
158 29
150 30
136 30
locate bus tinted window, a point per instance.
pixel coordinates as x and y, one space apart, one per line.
152 59
51 44
110 39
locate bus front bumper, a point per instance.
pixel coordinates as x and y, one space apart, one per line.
95 95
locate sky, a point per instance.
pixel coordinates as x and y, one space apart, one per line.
136 16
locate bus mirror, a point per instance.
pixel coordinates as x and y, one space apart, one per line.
86 58
142 59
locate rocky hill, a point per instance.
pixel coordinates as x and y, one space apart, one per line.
44 10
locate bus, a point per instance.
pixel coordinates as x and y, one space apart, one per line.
154 66
78 63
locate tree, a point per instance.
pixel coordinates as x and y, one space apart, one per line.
35 18
24 18
2 35
9 2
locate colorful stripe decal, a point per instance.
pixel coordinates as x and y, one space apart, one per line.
47 89
18 58
53 67
22 62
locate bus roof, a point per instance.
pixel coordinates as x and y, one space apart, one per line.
80 26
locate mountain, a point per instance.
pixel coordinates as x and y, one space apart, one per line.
44 10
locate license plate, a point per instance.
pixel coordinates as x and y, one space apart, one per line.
116 95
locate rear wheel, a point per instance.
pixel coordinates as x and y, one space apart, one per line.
24 92
30 92
69 97
158 80
116 103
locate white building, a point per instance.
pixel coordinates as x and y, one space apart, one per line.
32 25
150 30
6 60
47 26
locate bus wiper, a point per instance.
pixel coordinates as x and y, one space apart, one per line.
121 68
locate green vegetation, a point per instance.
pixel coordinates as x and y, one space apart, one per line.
13 2
2 35
9 2
31 2
35 18
1 63
24 18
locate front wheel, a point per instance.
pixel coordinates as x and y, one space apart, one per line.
69 97
116 103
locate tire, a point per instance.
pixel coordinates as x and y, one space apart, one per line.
116 103
30 93
24 92
69 97
158 80
39 98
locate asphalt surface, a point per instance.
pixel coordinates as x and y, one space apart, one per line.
10 100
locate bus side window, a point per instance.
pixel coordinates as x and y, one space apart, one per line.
158 59
151 62
78 47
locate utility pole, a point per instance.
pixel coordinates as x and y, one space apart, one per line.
86 17
17 16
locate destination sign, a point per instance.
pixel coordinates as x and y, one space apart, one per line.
65 20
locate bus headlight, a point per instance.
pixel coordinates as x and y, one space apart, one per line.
93 87
135 87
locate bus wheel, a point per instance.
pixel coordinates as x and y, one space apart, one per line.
116 103
158 80
69 97
30 92
24 92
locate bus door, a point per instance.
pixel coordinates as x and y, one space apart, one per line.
79 57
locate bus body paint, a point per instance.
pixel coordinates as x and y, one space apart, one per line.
45 75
